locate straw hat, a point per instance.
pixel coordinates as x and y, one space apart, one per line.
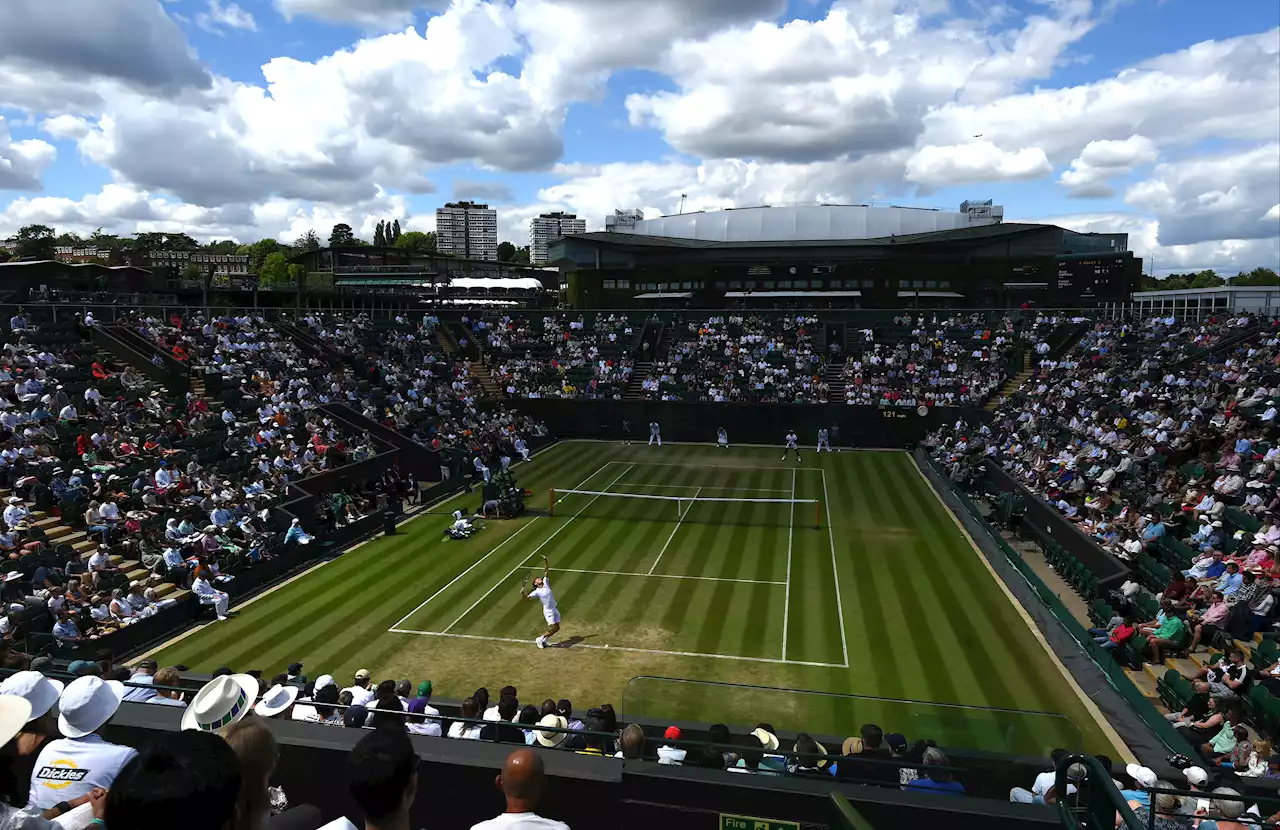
221 702
35 688
86 704
276 700
551 739
768 740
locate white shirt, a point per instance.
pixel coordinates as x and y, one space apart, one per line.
68 768
360 696
544 595
791 439
520 821
1044 781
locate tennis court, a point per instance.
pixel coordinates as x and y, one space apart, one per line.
840 583
657 537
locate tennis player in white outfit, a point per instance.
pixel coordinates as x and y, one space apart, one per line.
542 592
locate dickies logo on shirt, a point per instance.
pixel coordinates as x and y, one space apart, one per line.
60 775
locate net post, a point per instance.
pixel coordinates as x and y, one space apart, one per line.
551 508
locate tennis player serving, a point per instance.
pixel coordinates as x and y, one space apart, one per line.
542 592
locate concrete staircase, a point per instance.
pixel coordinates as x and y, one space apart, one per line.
639 373
1012 384
446 342
834 377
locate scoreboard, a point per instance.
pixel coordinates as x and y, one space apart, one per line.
1095 277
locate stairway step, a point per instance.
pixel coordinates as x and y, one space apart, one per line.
58 532
1154 672
1143 682
1187 668
85 546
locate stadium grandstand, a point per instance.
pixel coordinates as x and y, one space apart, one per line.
327 549
846 256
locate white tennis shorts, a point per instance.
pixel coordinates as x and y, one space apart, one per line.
552 617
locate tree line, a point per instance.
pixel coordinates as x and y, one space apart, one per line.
1210 279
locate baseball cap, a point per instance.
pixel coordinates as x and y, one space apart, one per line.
1142 776
896 741
362 674
424 688
672 733
1196 776
295 668
78 666
149 664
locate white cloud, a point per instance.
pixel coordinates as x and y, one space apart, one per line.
1206 198
23 162
66 127
977 161
1273 213
230 16
1103 160
378 15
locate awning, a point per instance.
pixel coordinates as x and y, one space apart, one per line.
684 295
929 294
817 294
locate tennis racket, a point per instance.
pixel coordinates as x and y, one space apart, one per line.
524 582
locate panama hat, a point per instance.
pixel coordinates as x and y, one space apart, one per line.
35 688
551 739
276 700
821 761
86 704
15 712
221 702
768 740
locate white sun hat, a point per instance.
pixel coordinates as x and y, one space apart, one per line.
35 688
14 714
86 704
221 702
276 700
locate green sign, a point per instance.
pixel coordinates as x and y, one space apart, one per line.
728 822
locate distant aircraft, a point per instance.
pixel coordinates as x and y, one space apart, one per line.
979 135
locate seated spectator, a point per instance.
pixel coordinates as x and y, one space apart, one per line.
256 747
85 706
523 782
168 676
188 779
382 775
1167 813
935 780
1038 794
15 716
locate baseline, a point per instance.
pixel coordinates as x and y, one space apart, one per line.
656 652
671 576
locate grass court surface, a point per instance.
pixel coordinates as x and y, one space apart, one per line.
875 594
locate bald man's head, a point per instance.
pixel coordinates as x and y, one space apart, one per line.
523 779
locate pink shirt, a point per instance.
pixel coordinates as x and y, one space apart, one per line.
1216 613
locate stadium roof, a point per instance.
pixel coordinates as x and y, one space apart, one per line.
974 234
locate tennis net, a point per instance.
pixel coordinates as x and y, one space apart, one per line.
697 509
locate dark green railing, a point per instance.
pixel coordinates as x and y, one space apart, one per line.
845 817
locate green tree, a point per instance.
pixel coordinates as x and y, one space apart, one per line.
417 242
35 242
379 238
223 246
68 239
1258 276
258 253
274 270
341 235
98 239
395 231
521 256
1205 279
506 252
309 241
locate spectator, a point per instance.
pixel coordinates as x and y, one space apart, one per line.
139 688
1167 813
256 747
523 783
41 727
277 702
184 779
1226 812
15 715
85 706
632 743
936 780
1043 783
382 774
550 739
668 753
221 702
361 694
168 676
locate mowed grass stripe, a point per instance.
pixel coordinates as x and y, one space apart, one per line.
727 607
815 617
760 630
873 651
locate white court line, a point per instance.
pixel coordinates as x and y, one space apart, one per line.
476 564
663 552
538 548
691 487
659 652
718 466
835 573
791 532
670 576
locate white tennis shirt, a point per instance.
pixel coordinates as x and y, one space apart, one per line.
544 595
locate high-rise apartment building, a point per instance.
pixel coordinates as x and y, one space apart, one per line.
468 230
623 221
549 226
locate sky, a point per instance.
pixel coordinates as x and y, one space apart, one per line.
268 118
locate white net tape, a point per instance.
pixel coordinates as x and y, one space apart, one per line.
679 499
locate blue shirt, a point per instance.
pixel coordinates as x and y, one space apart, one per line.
1141 796
940 787
1215 570
1243 446
1153 531
1230 583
